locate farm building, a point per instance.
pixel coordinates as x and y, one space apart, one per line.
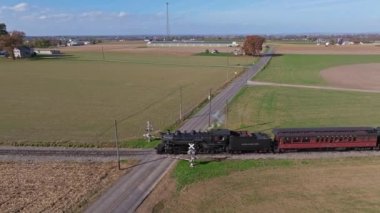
23 52
72 43
191 44
47 52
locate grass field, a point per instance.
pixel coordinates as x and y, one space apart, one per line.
323 185
304 69
264 108
77 98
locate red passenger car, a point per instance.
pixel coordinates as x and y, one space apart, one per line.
325 138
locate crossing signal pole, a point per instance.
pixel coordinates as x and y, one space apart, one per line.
117 146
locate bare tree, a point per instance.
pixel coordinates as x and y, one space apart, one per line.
11 40
253 45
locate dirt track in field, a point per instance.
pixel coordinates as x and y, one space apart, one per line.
335 50
358 76
133 47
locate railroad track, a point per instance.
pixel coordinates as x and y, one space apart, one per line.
27 151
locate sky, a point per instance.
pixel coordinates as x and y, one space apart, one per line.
202 17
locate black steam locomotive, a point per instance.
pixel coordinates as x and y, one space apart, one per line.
214 141
294 139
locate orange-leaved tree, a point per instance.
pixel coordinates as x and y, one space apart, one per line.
253 45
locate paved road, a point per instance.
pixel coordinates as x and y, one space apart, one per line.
200 120
131 190
260 83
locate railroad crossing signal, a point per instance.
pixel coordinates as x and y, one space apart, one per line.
148 131
192 153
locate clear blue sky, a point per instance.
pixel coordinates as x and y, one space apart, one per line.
131 17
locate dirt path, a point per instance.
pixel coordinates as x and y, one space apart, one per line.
259 83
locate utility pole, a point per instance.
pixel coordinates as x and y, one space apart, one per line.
104 58
226 120
209 110
180 103
167 21
117 146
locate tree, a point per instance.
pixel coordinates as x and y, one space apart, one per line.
11 40
253 45
3 29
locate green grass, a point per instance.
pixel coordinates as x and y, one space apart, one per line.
75 99
304 69
205 170
139 143
264 108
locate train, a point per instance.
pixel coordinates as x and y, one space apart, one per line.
283 140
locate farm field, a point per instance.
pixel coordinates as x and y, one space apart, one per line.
321 185
53 186
305 69
262 108
312 49
140 48
75 99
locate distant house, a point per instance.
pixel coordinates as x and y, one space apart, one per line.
23 52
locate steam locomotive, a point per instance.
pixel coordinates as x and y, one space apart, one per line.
284 140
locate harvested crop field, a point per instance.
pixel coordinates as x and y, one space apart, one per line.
136 47
334 50
337 185
357 76
52 186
